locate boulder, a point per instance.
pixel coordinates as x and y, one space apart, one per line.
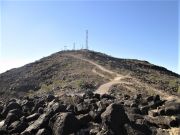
88 94
126 97
107 96
41 122
84 119
32 117
144 109
64 124
57 107
10 106
43 131
17 112
39 103
17 127
10 119
172 110
114 118
83 108
50 98
1 108
96 116
150 98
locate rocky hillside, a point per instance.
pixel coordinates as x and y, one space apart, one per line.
89 114
89 93
78 71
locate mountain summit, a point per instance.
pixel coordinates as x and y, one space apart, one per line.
82 70
89 93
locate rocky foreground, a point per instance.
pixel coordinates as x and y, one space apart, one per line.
90 114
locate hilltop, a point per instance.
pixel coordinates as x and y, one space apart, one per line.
81 70
89 93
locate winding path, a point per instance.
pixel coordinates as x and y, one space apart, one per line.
119 79
104 88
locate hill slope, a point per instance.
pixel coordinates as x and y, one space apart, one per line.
78 71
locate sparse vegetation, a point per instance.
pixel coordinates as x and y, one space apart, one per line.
62 72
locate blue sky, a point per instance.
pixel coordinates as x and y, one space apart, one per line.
139 29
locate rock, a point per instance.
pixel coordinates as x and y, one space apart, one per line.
88 94
145 109
137 96
156 98
10 119
134 117
3 132
94 131
134 110
83 108
161 112
155 104
1 108
162 132
17 127
40 110
107 96
126 97
97 96
96 116
11 106
160 121
174 123
71 108
32 117
57 107
41 122
172 110
50 98
101 106
150 98
114 118
132 131
38 104
130 103
16 112
28 104
43 131
84 119
64 124
153 113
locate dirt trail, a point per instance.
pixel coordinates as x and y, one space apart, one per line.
104 88
119 79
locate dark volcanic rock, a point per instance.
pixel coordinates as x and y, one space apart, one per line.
114 118
64 124
10 119
11 106
41 122
43 131
50 97
89 115
83 108
32 117
17 127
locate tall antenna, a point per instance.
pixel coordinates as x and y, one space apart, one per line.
74 46
87 39
65 47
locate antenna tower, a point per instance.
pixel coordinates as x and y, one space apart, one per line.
87 39
74 46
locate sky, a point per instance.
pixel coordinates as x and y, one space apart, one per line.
135 29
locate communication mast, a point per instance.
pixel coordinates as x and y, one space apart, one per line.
74 46
87 40
65 47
